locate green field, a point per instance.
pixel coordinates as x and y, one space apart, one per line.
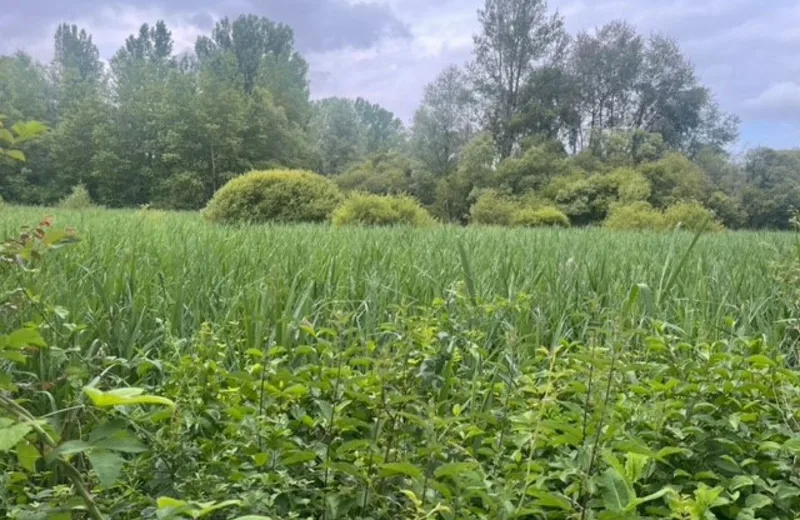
433 373
137 275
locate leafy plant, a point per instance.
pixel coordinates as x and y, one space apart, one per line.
274 196
375 210
18 134
547 216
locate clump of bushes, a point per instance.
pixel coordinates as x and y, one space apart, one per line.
548 216
691 216
281 196
493 209
367 209
78 199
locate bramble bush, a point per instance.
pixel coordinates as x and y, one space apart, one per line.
367 209
547 216
281 196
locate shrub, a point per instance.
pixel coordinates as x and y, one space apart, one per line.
639 215
692 216
78 199
493 209
274 196
542 217
381 210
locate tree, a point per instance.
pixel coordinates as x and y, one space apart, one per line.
382 131
265 55
337 134
607 67
516 37
129 163
627 82
443 123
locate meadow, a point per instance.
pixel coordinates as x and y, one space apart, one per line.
449 372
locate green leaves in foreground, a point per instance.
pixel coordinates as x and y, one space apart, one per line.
124 397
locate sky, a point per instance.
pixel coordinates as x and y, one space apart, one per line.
746 51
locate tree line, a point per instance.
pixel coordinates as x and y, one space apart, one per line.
581 121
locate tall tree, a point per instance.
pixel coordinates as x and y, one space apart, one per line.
382 130
337 134
129 165
515 39
443 123
265 55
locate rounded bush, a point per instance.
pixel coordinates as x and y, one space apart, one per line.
547 216
281 196
639 215
493 209
692 216
366 209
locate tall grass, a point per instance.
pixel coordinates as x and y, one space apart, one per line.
141 276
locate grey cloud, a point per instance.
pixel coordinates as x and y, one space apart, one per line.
779 102
319 24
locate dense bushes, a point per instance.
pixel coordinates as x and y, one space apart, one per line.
542 217
274 196
493 209
381 210
78 199
691 216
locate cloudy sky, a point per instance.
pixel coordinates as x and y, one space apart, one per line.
747 51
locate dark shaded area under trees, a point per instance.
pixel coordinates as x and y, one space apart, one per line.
583 122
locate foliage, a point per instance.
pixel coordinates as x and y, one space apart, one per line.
589 199
182 191
543 217
375 210
78 199
493 209
17 135
692 216
388 174
274 196
673 179
638 215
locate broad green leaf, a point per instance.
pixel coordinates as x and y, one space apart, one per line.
253 517
11 434
70 448
27 337
355 445
208 508
757 501
107 465
165 502
17 155
740 481
617 495
792 445
6 136
27 455
649 498
124 397
553 500
296 457
393 469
